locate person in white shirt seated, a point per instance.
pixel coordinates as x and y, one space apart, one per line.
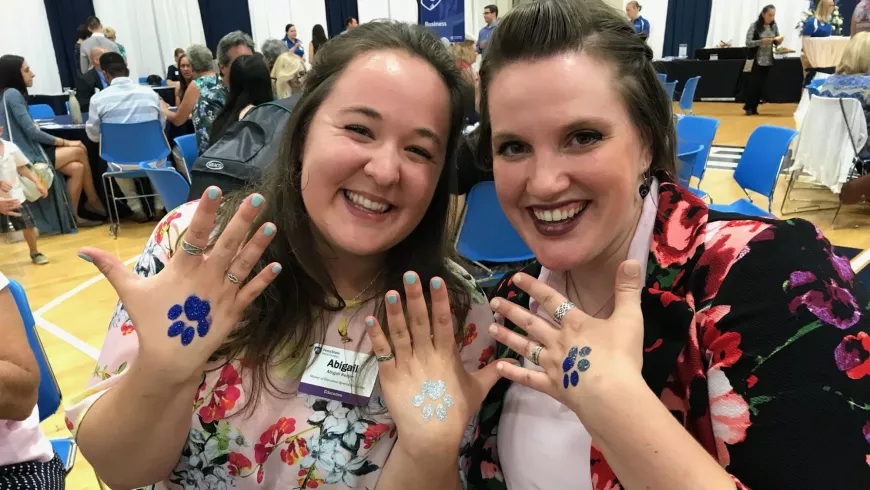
27 461
124 102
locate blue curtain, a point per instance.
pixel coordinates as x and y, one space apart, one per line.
688 22
64 17
337 12
847 8
220 17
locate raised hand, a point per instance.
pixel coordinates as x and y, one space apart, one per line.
428 392
5 186
8 206
184 313
584 355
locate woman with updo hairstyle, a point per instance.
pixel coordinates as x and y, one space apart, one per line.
655 343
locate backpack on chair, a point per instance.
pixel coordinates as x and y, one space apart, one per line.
244 152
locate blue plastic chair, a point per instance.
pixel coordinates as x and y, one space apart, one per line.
663 77
698 130
758 169
687 99
670 88
687 157
171 185
143 80
49 397
66 104
486 235
189 151
129 144
41 111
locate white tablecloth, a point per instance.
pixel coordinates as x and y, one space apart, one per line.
824 52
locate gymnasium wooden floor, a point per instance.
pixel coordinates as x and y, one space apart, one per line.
70 295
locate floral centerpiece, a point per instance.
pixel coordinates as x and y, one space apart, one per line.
836 19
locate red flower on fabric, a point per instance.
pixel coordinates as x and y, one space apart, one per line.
729 242
751 380
486 356
722 350
295 451
237 463
127 328
69 424
163 228
373 434
680 218
223 397
853 356
603 477
470 334
729 414
313 481
833 305
271 438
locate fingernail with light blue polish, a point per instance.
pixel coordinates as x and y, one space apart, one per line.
213 193
392 298
436 283
257 200
276 269
410 278
370 323
86 257
269 230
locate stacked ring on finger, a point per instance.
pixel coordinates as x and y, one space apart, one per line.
191 249
536 354
233 279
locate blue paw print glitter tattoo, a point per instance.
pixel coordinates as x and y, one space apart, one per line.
196 310
573 378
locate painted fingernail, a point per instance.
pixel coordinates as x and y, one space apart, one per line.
213 193
436 283
86 257
392 298
410 278
276 268
370 323
494 303
493 330
257 200
269 230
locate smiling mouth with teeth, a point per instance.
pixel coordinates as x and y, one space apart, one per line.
365 204
559 215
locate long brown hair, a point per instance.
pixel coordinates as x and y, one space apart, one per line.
284 321
546 28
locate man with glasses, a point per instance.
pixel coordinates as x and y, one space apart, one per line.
490 16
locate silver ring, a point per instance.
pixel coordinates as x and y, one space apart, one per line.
562 310
191 249
385 358
536 354
233 279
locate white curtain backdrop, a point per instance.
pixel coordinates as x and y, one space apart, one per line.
150 30
656 12
400 10
268 18
474 17
730 19
32 42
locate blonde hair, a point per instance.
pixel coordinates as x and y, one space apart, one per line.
109 32
856 56
464 51
819 8
288 67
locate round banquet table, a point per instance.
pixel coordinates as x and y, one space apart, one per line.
824 52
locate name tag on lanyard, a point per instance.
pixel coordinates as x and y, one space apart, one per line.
339 374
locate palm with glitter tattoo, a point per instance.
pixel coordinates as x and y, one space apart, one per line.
428 392
184 313
586 354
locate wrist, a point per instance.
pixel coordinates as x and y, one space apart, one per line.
150 378
607 398
437 458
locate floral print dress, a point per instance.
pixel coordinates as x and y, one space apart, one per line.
756 337
289 442
212 98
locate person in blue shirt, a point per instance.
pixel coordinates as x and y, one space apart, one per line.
819 24
490 16
641 25
293 43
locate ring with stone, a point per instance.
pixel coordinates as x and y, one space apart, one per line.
562 310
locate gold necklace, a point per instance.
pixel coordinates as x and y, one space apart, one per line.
569 277
342 326
366 288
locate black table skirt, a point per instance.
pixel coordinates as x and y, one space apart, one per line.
723 79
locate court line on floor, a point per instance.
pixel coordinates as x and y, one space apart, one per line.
861 261
59 332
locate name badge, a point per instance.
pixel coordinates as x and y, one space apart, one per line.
339 374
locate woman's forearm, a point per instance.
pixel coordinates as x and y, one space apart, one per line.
645 445
138 420
405 470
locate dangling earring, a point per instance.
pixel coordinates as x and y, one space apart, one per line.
643 190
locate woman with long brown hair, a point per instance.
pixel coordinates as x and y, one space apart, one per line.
237 356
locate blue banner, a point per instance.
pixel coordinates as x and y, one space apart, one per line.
445 17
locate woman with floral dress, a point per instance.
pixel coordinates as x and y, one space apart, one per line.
663 345
199 382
